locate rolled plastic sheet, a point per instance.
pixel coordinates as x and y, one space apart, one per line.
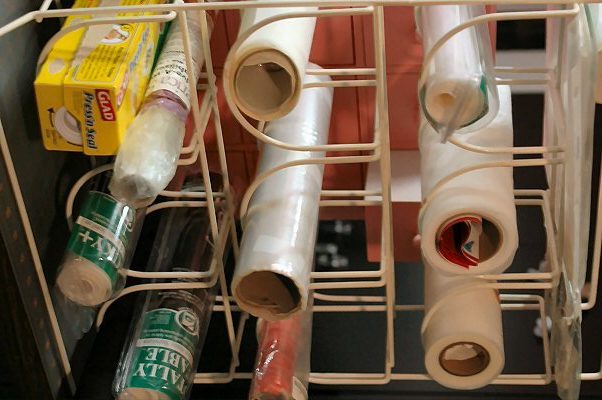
463 337
271 279
147 158
269 66
283 359
468 223
100 246
163 350
456 92
569 123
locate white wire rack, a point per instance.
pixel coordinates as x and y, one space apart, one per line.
375 151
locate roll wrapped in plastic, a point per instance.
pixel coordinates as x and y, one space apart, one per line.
272 276
462 337
148 157
99 248
455 90
283 359
267 70
468 225
161 355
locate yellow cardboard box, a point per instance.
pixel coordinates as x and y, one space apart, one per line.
49 89
91 85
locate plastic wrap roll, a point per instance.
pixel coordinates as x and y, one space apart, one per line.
147 159
572 52
468 225
463 339
99 247
161 355
276 358
271 279
455 90
283 359
268 68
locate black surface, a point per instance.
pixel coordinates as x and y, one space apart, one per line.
18 350
521 35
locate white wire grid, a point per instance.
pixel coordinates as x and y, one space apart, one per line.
375 151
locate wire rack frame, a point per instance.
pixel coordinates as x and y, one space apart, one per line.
378 150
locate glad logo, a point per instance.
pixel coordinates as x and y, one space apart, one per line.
103 98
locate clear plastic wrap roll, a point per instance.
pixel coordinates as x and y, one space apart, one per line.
468 225
147 159
457 90
269 66
271 279
160 357
569 123
283 359
99 248
463 339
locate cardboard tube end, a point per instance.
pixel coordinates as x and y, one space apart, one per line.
268 295
266 85
463 102
464 359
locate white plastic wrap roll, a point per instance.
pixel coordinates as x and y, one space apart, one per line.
268 68
147 158
100 246
455 87
271 279
468 225
463 338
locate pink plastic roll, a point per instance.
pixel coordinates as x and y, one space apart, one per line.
283 358
276 358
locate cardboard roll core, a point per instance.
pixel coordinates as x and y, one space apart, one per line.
464 359
272 292
266 85
463 102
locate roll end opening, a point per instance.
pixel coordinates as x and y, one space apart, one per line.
266 85
270 293
464 359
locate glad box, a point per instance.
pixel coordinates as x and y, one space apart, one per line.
88 98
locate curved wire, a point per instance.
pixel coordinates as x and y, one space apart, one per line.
76 188
97 21
494 164
498 16
259 179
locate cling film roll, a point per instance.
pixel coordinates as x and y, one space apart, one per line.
160 357
283 359
457 90
164 352
98 249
